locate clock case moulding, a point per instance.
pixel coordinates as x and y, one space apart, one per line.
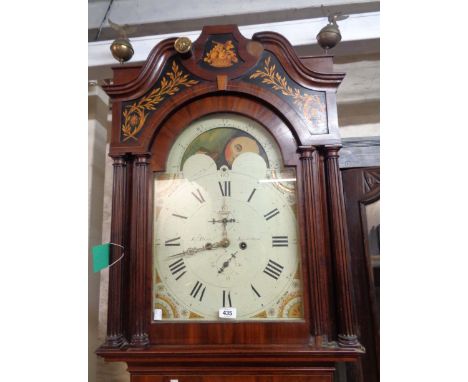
295 100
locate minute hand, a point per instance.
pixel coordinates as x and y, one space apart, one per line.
193 251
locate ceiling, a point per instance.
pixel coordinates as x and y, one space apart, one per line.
167 16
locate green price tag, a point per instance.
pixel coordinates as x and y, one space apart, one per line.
101 255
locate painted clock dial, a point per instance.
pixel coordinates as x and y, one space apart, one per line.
225 226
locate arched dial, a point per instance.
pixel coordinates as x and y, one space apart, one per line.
225 229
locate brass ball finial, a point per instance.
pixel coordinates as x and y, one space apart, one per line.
330 35
183 45
122 50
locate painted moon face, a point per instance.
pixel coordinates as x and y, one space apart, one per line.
238 146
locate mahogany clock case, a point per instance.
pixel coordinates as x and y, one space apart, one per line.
296 102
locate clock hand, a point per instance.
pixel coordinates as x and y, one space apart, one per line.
227 262
223 243
224 212
206 247
225 239
222 221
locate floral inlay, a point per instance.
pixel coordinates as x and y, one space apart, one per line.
311 105
222 55
135 115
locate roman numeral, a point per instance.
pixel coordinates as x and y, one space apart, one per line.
251 194
179 216
227 298
196 289
172 242
225 188
255 291
199 197
176 267
279 241
273 269
271 214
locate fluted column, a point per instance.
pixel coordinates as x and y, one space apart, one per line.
115 324
313 214
326 260
340 251
138 319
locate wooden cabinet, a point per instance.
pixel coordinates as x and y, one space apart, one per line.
294 101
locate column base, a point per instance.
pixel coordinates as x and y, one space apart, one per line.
115 342
349 341
139 341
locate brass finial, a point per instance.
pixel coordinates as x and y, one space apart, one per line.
121 48
329 36
183 45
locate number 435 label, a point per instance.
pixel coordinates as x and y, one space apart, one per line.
227 313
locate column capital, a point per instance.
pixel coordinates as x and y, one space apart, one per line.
332 150
119 159
142 158
306 151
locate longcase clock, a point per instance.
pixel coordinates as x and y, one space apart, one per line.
227 198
